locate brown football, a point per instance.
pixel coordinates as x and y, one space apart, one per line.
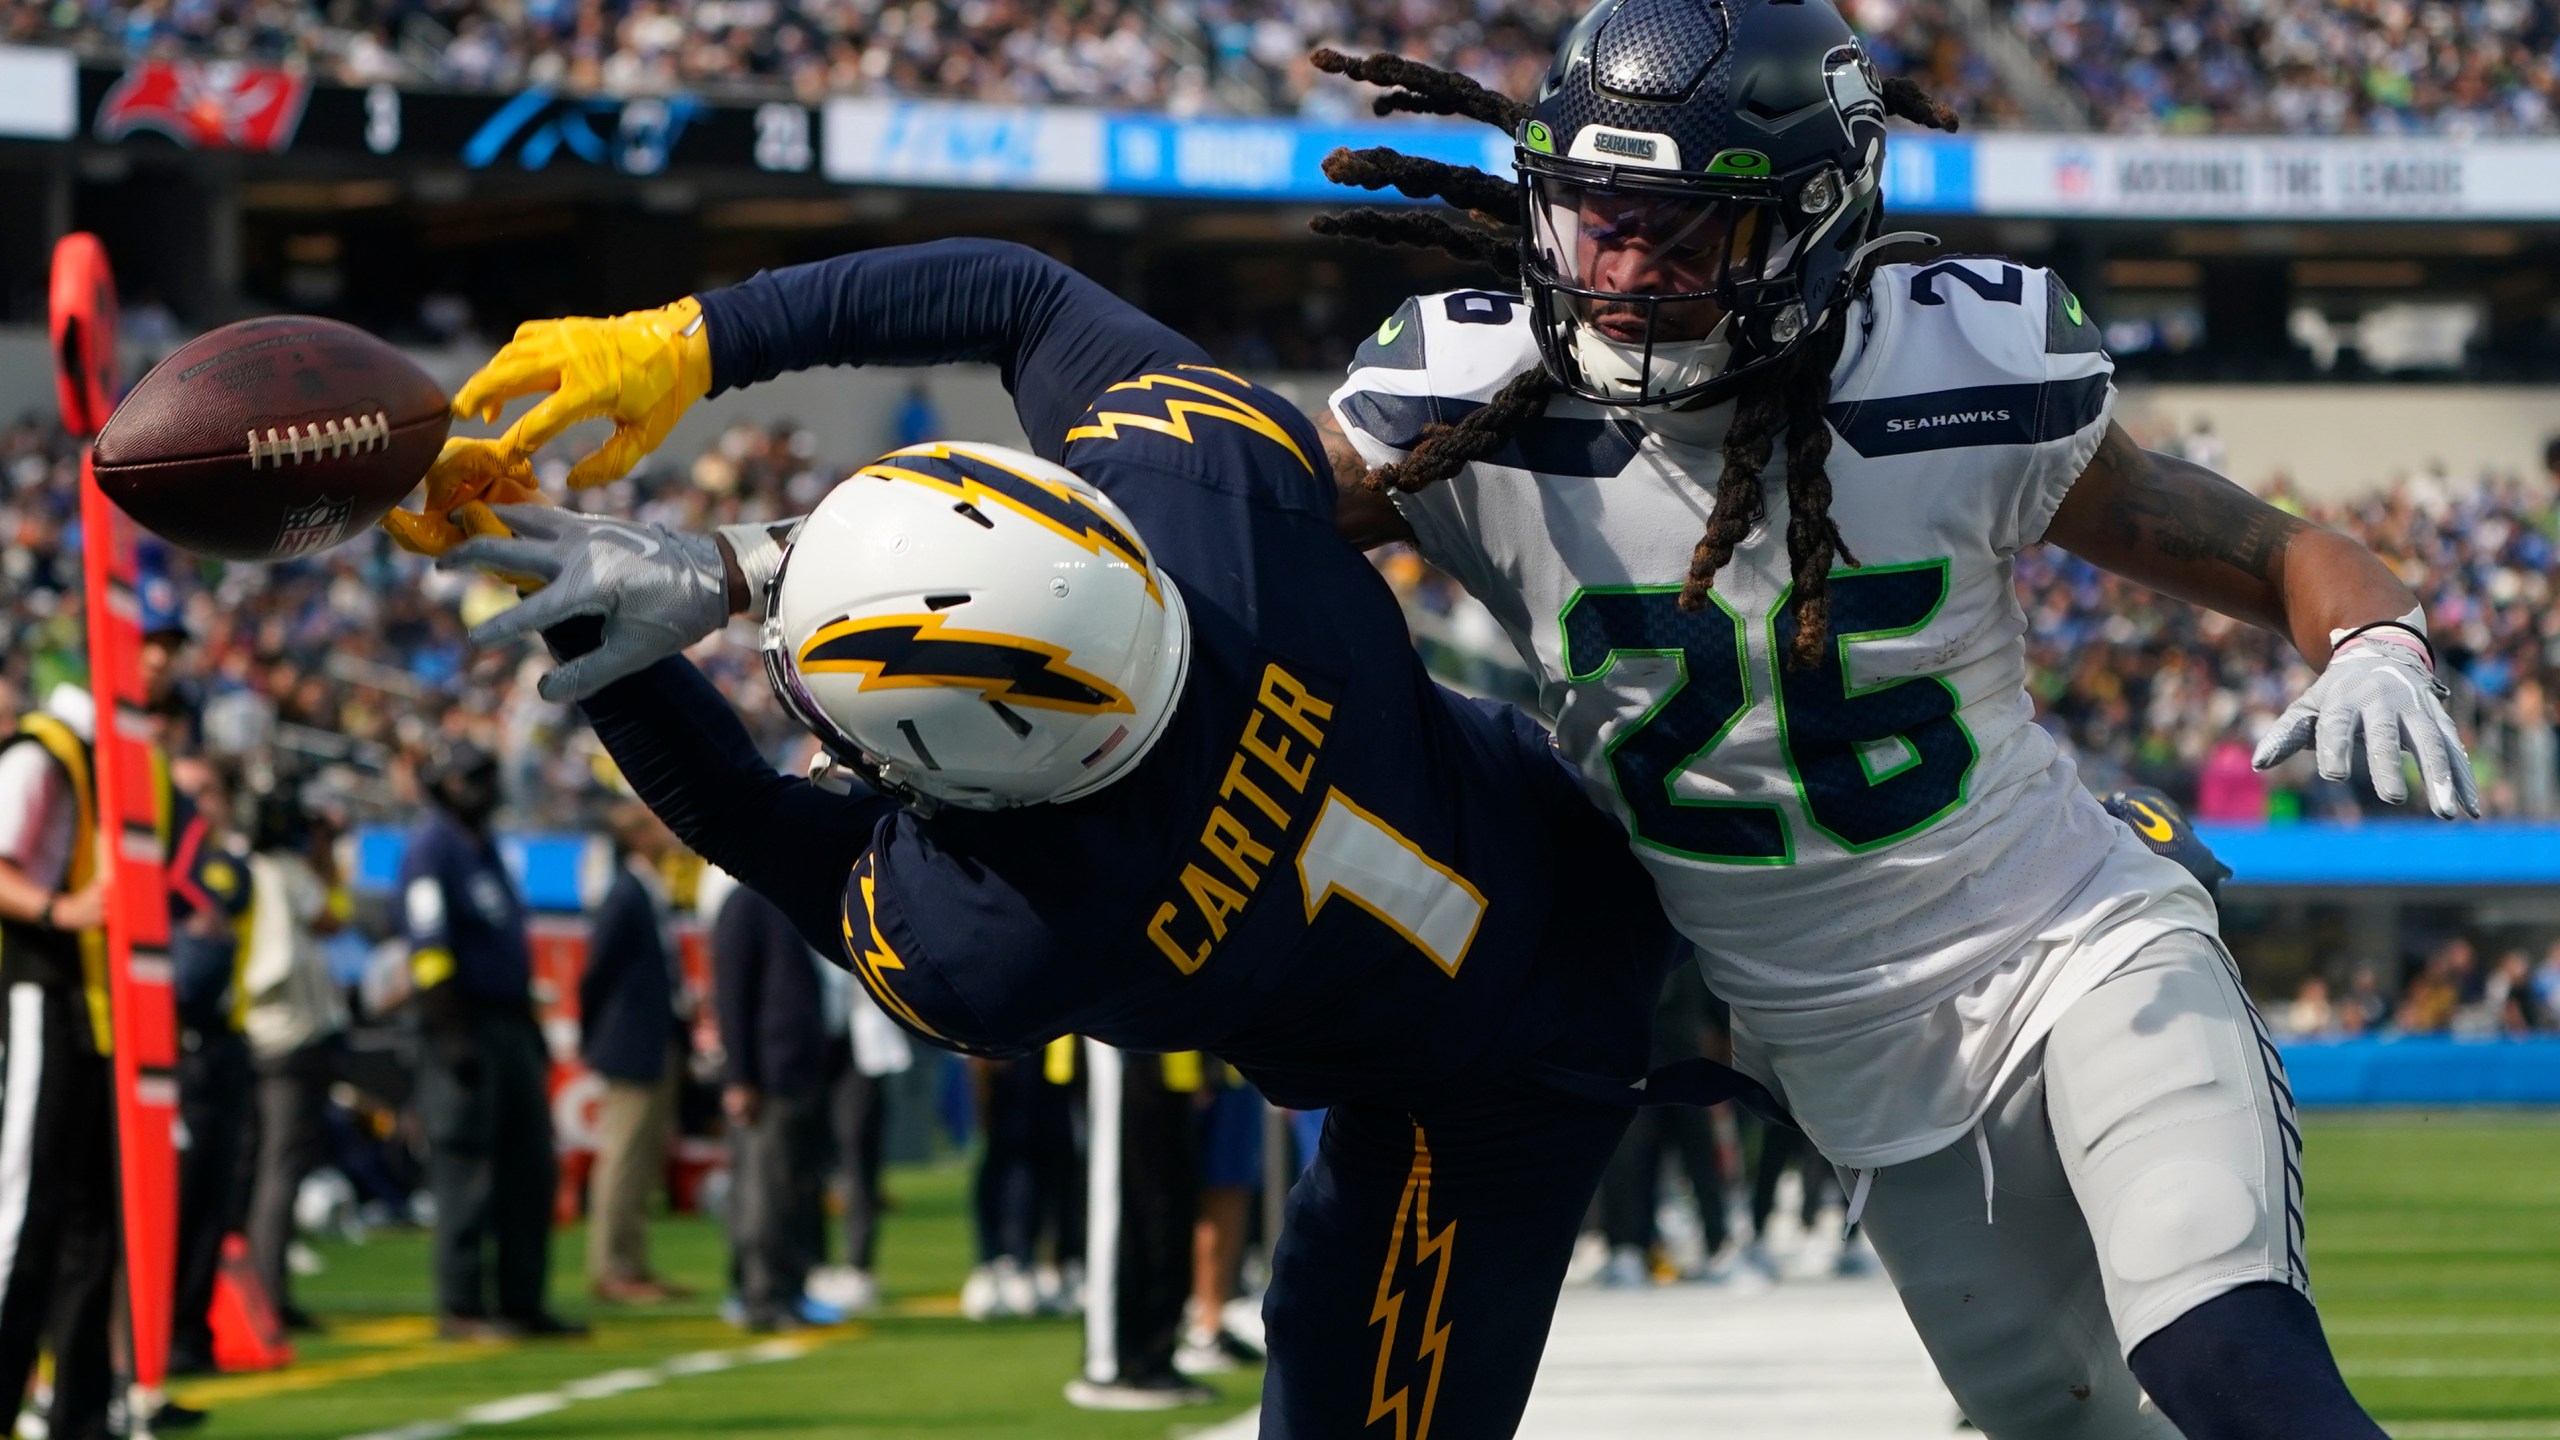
271 438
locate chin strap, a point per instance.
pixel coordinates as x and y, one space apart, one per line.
1881 242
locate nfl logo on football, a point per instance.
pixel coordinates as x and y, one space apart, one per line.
314 527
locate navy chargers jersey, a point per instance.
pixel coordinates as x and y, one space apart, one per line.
1330 871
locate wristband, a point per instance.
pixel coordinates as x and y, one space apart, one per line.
46 918
2340 639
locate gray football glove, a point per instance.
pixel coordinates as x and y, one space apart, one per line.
656 591
2381 685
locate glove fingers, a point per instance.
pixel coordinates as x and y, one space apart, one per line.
527 365
614 459
2382 756
515 557
540 610
543 423
2446 770
2334 742
2290 733
532 520
420 534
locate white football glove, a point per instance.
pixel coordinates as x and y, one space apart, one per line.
2381 684
656 591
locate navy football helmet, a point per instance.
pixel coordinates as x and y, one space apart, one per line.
1701 176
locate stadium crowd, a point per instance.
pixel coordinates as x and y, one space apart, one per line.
2303 66
2272 65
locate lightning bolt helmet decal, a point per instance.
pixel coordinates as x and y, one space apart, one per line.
895 651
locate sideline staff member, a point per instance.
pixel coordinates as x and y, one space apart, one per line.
481 1089
58 1205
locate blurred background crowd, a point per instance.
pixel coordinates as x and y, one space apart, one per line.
351 667
2385 66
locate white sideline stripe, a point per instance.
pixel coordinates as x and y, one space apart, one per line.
515 1408
612 1382
604 1386
18 1101
2448 1325
2451 1369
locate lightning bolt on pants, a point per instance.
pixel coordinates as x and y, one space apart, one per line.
1417 1275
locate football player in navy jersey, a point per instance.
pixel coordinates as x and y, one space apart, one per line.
1145 755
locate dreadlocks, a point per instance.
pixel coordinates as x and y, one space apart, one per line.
1790 399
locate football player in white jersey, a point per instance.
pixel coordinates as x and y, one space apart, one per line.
1747 504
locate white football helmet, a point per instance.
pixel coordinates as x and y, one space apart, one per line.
973 625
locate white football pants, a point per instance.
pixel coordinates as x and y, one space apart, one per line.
2147 1161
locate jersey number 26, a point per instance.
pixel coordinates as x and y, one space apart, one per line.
1872 764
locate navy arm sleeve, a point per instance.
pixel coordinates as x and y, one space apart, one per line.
689 760
1060 338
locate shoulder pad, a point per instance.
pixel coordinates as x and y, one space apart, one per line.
1967 351
1457 345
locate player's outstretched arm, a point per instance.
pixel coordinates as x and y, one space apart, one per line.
654 591
1059 338
2185 531
689 759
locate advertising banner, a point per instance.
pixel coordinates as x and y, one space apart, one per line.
39 93
1065 150
223 105
1071 150
2261 177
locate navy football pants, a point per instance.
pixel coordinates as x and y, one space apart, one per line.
1417 1275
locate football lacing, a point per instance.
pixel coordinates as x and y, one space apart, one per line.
329 439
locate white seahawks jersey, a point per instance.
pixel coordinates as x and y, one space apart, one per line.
1890 870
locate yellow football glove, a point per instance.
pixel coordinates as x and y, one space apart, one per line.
467 478
641 370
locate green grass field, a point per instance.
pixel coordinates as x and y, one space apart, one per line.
2435 1250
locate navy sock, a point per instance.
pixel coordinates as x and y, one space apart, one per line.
2251 1364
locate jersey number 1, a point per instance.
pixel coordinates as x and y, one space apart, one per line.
1354 854
1871 764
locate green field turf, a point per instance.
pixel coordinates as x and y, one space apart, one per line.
2435 1250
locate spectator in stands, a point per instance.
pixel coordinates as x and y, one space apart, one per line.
773 1042
2310 1014
2428 1002
297 1020
2507 995
2546 989
2365 1009
633 1022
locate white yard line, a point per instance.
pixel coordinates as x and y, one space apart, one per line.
512 1408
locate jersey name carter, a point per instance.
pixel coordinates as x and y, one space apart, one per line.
1884 847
